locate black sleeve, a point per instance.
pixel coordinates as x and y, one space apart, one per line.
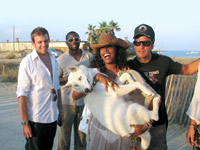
174 67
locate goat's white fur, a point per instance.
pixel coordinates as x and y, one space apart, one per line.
110 108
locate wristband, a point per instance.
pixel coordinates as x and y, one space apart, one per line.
25 123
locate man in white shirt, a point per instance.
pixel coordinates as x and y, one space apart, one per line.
72 109
38 93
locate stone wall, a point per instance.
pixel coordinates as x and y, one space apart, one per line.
17 46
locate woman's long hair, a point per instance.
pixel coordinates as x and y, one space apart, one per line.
121 60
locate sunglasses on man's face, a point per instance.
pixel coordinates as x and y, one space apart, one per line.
144 43
53 91
75 39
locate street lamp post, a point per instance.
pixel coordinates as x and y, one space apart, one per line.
13 38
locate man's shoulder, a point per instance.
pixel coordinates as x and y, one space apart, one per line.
66 54
63 57
88 54
160 57
26 62
27 58
166 63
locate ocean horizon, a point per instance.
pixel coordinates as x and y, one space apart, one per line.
180 53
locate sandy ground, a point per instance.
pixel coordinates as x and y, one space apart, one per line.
10 127
10 124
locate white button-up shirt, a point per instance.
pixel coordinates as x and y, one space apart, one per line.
35 82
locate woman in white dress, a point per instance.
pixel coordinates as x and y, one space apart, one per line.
110 58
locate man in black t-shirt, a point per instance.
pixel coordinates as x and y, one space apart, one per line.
155 68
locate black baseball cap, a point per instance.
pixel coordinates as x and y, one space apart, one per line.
145 30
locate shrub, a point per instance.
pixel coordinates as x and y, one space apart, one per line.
2 51
10 72
10 56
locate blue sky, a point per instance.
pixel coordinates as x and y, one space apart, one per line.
176 22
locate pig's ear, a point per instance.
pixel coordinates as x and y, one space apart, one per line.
72 69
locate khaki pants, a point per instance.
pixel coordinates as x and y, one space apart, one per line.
72 115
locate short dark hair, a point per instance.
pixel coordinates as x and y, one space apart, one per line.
39 31
71 32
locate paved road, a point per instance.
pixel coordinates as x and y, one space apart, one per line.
10 127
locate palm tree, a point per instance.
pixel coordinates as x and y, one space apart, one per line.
104 28
90 33
94 34
114 26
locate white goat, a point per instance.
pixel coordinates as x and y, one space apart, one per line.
112 108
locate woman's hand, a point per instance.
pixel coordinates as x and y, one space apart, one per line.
77 95
190 135
106 81
139 129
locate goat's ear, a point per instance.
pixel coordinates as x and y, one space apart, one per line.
72 69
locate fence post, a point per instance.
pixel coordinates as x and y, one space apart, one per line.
4 68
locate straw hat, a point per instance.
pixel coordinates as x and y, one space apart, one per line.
108 39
